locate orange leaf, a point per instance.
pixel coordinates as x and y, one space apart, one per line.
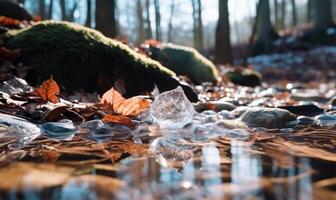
118 119
126 107
48 91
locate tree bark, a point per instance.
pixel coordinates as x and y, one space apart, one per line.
88 13
105 17
264 29
283 14
141 28
223 49
50 10
198 24
42 9
170 22
294 15
148 28
63 10
157 19
276 13
323 16
310 10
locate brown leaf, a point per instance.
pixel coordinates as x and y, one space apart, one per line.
126 107
48 91
118 119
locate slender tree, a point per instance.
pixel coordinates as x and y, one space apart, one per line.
276 13
310 10
88 13
198 24
323 16
148 28
42 9
265 32
283 14
170 22
223 52
63 10
294 15
105 17
157 19
50 9
141 28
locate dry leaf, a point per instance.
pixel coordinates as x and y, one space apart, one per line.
48 91
118 119
126 107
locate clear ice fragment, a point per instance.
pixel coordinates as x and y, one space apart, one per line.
172 109
17 130
62 130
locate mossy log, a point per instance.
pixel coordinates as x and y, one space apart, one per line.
82 58
185 61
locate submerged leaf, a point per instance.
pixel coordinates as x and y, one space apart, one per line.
118 119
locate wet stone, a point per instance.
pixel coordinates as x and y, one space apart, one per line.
267 117
172 109
224 114
303 120
325 120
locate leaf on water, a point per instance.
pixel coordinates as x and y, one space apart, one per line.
48 91
118 119
125 107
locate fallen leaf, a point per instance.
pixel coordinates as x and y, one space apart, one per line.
118 119
48 91
125 107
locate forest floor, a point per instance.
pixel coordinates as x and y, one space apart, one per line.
274 141
213 153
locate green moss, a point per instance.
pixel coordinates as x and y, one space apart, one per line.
186 61
76 56
247 77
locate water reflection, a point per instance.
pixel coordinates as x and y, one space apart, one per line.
237 170
207 176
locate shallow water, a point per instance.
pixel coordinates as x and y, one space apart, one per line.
220 169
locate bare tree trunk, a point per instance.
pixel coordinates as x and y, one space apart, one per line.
310 10
50 10
141 28
157 19
148 31
276 13
170 22
223 49
88 13
71 16
283 14
63 9
265 32
294 15
198 24
323 16
42 9
105 17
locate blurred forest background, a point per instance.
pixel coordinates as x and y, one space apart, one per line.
220 29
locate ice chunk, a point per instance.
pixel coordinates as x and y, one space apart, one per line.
17 130
98 131
172 150
62 130
172 109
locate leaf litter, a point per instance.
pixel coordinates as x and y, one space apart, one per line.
118 139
